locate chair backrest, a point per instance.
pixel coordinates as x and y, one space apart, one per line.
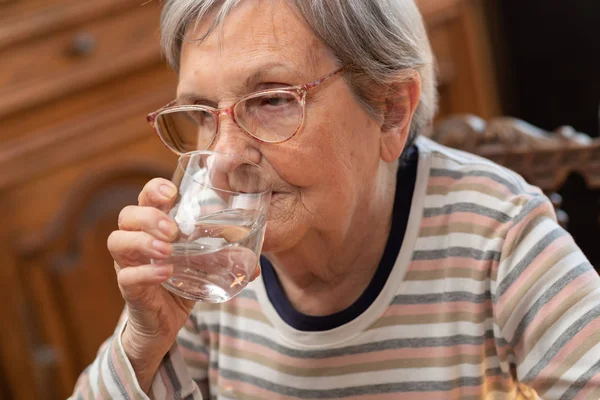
545 159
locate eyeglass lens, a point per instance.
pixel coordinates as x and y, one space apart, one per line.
271 117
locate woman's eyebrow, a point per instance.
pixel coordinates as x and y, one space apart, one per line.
251 82
259 75
194 98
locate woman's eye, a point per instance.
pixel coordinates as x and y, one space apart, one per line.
275 101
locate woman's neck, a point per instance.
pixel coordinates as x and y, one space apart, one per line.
325 274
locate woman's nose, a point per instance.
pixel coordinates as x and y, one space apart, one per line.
235 172
232 139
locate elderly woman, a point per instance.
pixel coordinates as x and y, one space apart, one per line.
393 267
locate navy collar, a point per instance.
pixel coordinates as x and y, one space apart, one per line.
407 175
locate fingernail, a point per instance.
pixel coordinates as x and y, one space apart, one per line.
167 191
161 246
167 228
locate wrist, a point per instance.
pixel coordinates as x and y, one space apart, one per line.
145 356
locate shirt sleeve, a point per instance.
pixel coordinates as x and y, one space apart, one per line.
547 307
111 375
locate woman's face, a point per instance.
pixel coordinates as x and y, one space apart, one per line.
324 177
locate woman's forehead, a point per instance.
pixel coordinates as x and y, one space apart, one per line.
255 32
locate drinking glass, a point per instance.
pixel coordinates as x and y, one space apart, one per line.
221 215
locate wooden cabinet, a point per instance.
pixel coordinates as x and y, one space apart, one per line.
460 39
76 81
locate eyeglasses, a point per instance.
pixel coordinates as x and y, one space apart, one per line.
269 116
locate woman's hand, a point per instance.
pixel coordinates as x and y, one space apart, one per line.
155 315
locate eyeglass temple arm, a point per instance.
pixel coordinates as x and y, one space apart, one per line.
316 83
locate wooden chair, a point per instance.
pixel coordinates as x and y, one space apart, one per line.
545 159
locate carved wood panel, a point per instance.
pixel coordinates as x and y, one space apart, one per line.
17 368
68 274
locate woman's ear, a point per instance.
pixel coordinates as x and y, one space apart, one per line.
400 104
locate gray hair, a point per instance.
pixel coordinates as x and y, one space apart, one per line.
383 41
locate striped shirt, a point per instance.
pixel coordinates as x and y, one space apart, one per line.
488 299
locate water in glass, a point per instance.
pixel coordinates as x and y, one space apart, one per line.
215 261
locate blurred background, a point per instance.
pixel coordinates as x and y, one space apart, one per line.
78 77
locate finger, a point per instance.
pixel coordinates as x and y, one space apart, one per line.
133 279
135 248
159 192
150 220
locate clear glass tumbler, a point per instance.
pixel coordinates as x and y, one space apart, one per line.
221 214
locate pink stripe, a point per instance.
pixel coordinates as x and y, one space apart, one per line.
365 358
453 262
190 354
169 388
251 390
82 385
478 180
587 390
438 308
531 269
570 347
456 393
553 304
119 369
461 217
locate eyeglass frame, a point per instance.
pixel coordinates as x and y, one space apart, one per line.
298 91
